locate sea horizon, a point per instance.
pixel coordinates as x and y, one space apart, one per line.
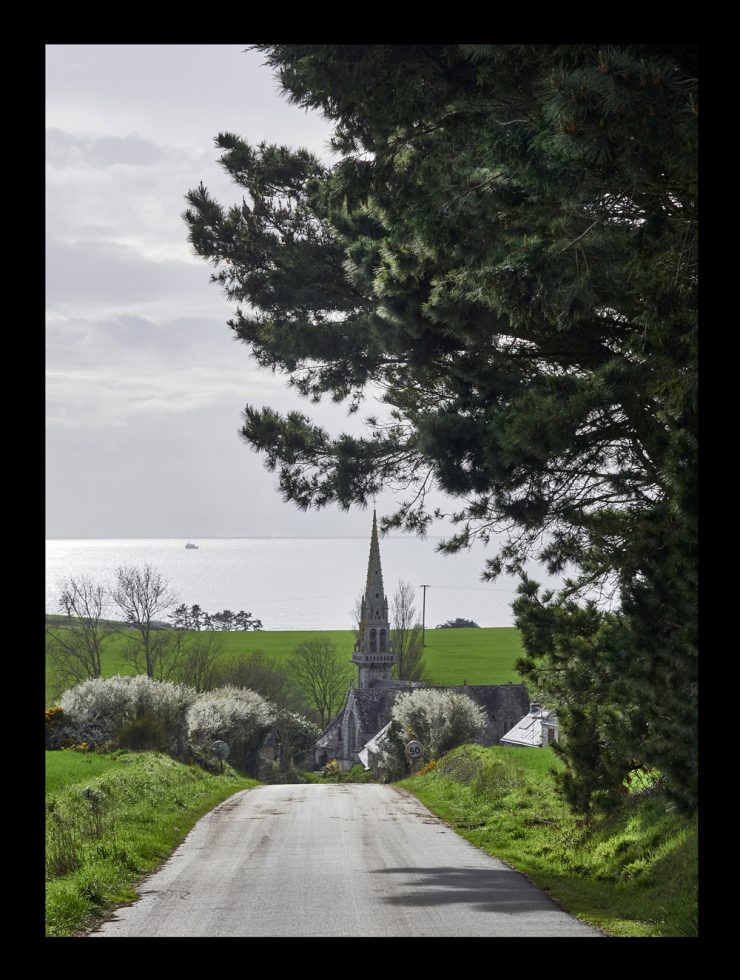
293 582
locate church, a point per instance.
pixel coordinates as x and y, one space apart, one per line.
368 706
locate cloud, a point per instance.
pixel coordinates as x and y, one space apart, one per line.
110 273
146 385
65 149
174 93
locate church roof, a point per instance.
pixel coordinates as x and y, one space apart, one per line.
373 705
489 696
333 730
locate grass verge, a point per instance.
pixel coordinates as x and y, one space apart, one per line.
104 833
633 873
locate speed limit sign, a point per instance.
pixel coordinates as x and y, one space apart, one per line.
414 751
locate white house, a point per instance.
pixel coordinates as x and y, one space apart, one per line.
538 728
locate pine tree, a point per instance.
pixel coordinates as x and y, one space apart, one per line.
506 249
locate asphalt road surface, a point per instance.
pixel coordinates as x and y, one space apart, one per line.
334 860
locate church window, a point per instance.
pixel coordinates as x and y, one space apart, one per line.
373 634
382 641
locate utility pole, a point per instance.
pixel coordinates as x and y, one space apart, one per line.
423 614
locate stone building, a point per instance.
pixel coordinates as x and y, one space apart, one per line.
368 706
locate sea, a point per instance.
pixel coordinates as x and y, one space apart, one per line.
292 583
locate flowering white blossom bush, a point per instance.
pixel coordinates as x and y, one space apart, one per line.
231 714
301 731
439 719
96 709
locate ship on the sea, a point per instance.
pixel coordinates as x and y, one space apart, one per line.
191 545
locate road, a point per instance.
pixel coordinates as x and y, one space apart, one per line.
334 860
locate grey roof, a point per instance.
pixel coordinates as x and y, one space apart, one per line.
373 746
373 705
331 729
491 697
528 731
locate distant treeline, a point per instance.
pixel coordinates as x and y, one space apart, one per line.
459 623
195 618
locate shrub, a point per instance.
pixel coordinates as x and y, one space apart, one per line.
273 774
333 770
429 767
296 735
140 734
97 710
53 726
358 774
440 719
232 714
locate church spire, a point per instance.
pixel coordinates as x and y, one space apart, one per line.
374 584
373 652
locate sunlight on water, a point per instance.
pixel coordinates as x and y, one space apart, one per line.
291 583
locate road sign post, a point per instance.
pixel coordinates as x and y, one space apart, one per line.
221 751
414 753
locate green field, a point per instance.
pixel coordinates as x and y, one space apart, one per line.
453 656
633 873
64 769
105 831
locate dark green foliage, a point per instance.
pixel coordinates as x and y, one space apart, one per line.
53 727
195 618
459 623
506 250
296 738
143 733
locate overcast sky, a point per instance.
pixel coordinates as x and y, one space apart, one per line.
145 384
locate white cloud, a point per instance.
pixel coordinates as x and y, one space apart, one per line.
146 385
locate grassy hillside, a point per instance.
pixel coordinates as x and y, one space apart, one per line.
633 873
473 656
453 656
64 769
105 832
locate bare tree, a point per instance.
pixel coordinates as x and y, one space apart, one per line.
323 673
75 649
406 634
143 595
191 658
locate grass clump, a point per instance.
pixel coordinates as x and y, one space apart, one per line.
631 873
105 833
